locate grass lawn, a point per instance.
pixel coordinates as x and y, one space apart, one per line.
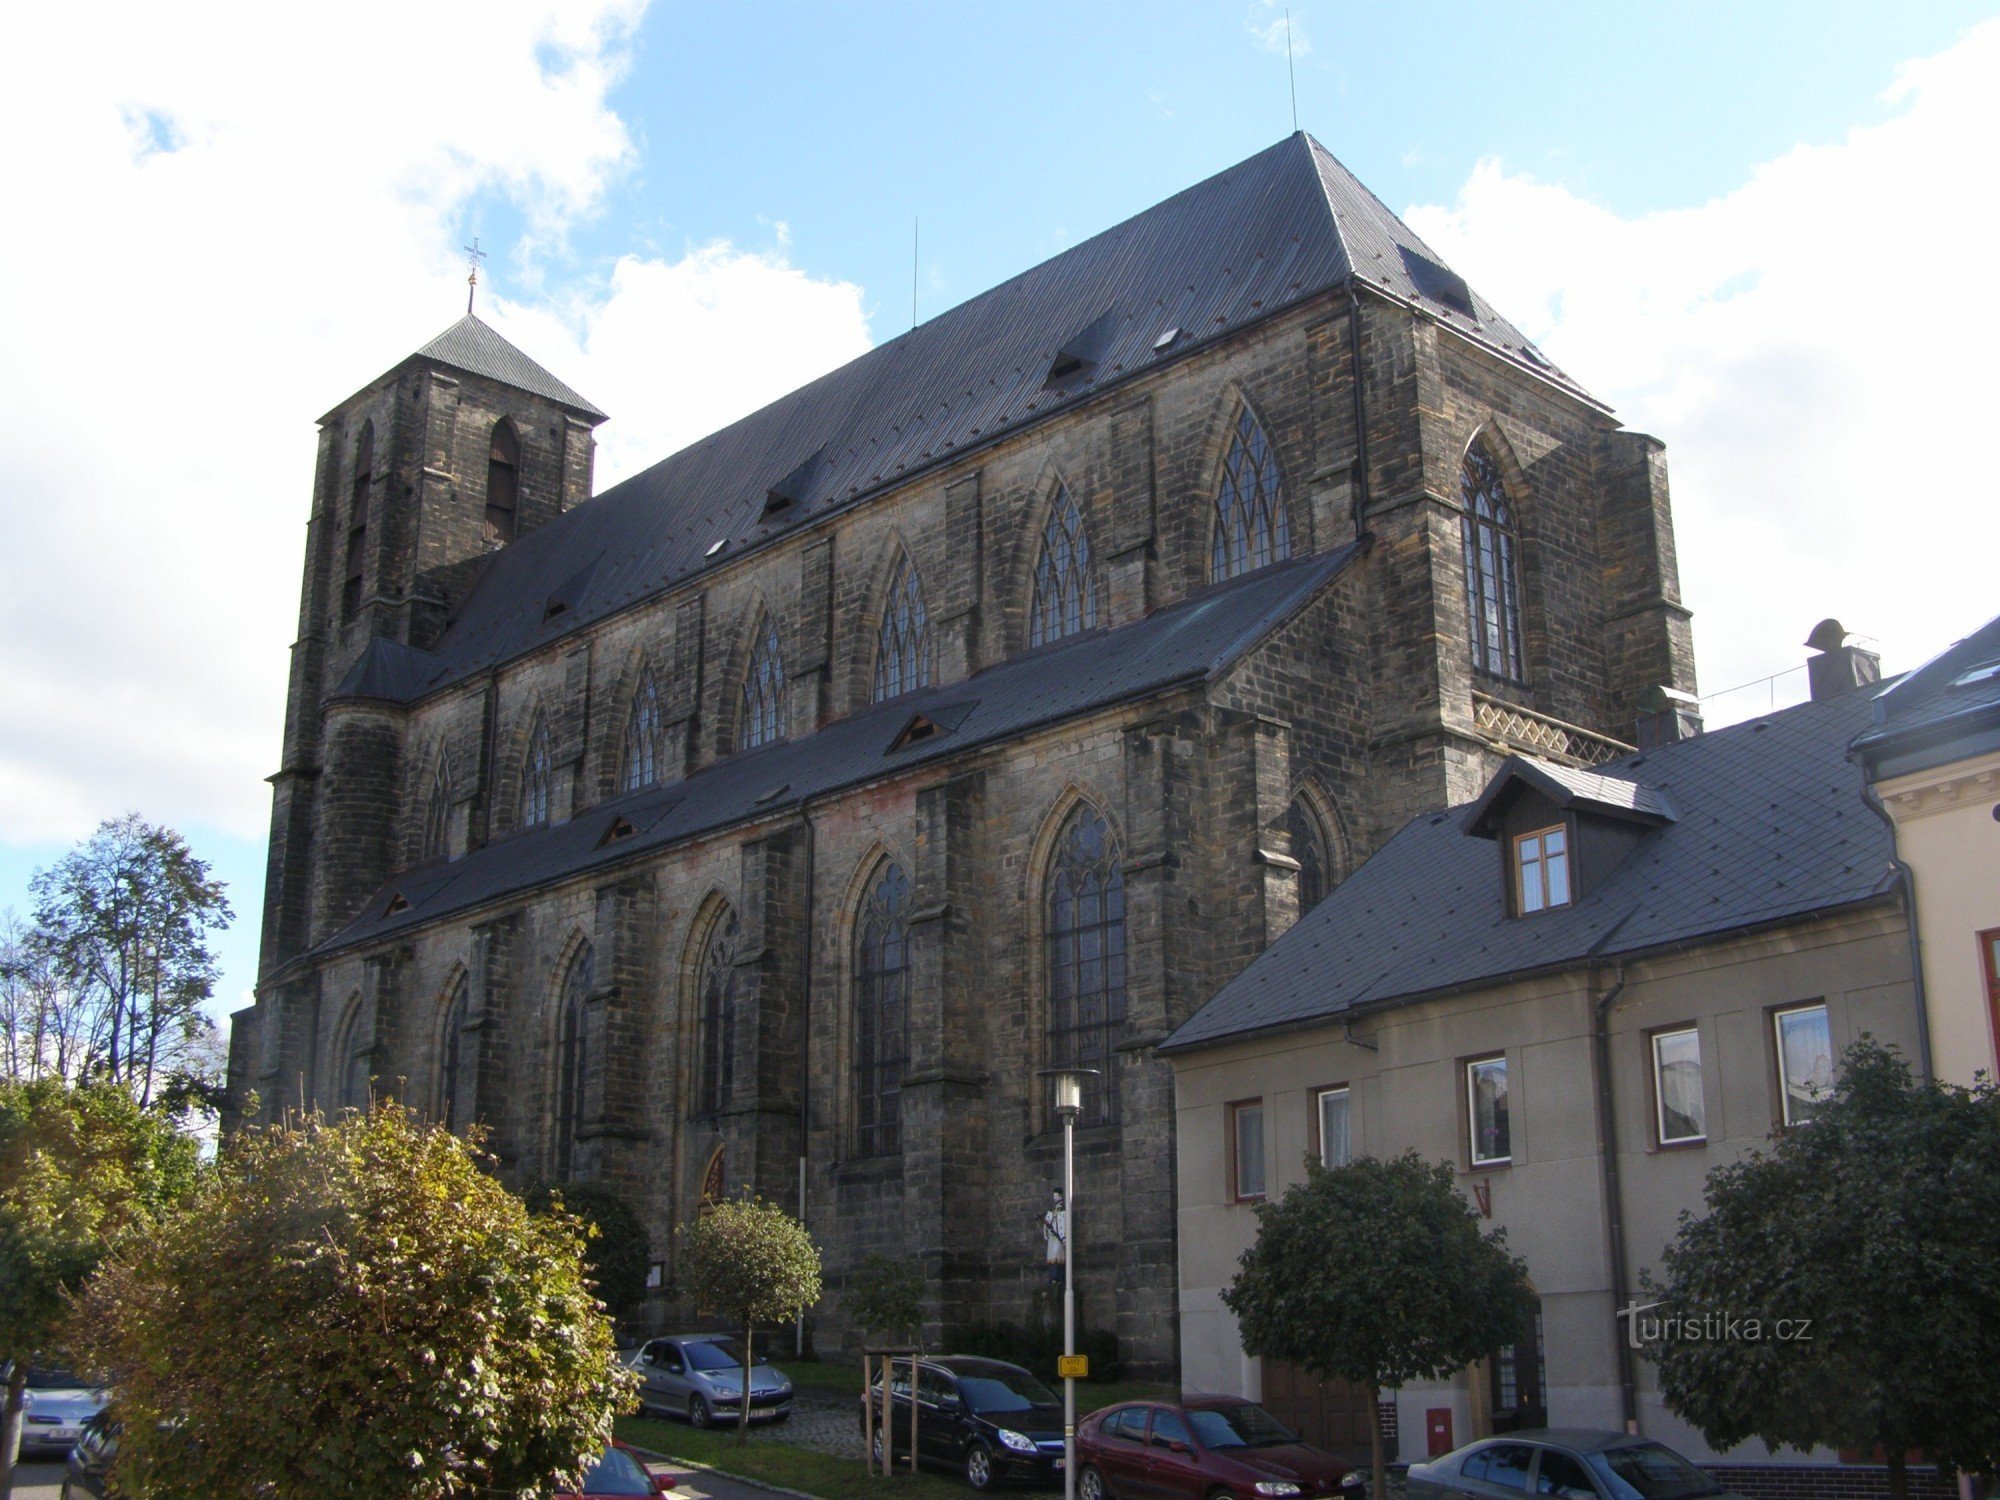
777 1462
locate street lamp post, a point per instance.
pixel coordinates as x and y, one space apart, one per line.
1069 1104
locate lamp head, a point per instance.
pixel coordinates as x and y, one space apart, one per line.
1068 1088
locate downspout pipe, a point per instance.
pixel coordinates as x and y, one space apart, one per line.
1614 1203
1907 879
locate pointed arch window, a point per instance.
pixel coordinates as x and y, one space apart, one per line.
1085 959
538 774
437 813
450 1052
903 650
503 482
763 690
1065 585
350 1061
642 737
1251 527
1309 848
357 521
715 1021
881 1013
1492 589
572 1059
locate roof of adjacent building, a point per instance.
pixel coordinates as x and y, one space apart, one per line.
1946 710
1285 226
1197 639
471 345
1769 825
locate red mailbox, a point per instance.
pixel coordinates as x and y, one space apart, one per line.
1437 1429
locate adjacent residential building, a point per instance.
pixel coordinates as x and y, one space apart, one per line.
1586 988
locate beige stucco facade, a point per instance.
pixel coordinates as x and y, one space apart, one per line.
1404 1068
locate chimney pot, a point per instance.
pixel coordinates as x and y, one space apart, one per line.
1838 668
1670 716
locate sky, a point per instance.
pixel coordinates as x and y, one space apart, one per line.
1747 228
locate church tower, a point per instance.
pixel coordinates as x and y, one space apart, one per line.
423 475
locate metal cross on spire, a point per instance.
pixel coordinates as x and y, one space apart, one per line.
474 256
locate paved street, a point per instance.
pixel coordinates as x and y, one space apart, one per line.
38 1482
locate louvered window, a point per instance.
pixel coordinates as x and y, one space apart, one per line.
503 483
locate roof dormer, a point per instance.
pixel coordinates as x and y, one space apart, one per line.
1562 831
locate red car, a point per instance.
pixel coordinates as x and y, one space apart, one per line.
1201 1448
618 1474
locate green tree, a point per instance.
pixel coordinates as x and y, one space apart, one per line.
353 1310
886 1298
752 1262
1867 1238
78 1167
124 919
1377 1273
619 1252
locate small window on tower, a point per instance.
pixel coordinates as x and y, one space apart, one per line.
503 483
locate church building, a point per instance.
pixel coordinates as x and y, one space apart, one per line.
763 823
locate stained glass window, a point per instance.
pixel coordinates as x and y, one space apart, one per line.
881 1013
1086 959
903 652
1492 591
437 813
1251 528
572 1059
450 1042
1309 849
1065 586
642 737
715 1042
763 690
537 775
503 482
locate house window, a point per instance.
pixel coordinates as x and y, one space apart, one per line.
1336 1145
357 522
450 1041
1679 1114
881 1013
1085 959
537 773
642 737
763 690
903 648
572 1061
1805 1061
715 1040
1541 870
503 483
1246 1150
1251 528
1488 1134
1492 592
1989 949
1065 586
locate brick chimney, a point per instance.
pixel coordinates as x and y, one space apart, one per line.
1838 668
1670 716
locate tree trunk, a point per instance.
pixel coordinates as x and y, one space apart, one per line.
743 1402
10 1426
1378 1459
1899 1472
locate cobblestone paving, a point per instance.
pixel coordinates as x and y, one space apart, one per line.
825 1424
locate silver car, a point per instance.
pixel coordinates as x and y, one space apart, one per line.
54 1408
700 1376
1572 1464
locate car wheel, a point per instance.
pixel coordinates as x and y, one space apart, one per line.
1090 1485
700 1414
979 1467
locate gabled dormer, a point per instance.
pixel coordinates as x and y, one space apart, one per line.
1561 831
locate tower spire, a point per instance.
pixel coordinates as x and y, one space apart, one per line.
474 255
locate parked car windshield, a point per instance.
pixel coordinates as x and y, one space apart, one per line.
1015 1392
719 1354
1245 1426
1646 1471
617 1473
55 1380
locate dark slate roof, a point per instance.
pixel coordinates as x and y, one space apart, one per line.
387 670
1188 642
1948 709
1279 229
1567 786
472 346
1771 826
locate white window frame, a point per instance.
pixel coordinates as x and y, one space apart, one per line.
1778 1048
1472 1067
1544 898
1319 1120
1673 1033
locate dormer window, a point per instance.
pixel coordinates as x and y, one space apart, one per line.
1541 870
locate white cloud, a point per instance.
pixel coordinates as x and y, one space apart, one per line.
232 216
1277 30
1816 350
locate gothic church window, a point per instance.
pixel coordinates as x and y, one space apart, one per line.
350 1061
572 1059
881 1013
1492 591
715 1023
503 483
437 813
537 776
642 737
1065 586
357 522
903 651
763 690
1251 527
1309 848
1085 959
450 1041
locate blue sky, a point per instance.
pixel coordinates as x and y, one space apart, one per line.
1718 217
